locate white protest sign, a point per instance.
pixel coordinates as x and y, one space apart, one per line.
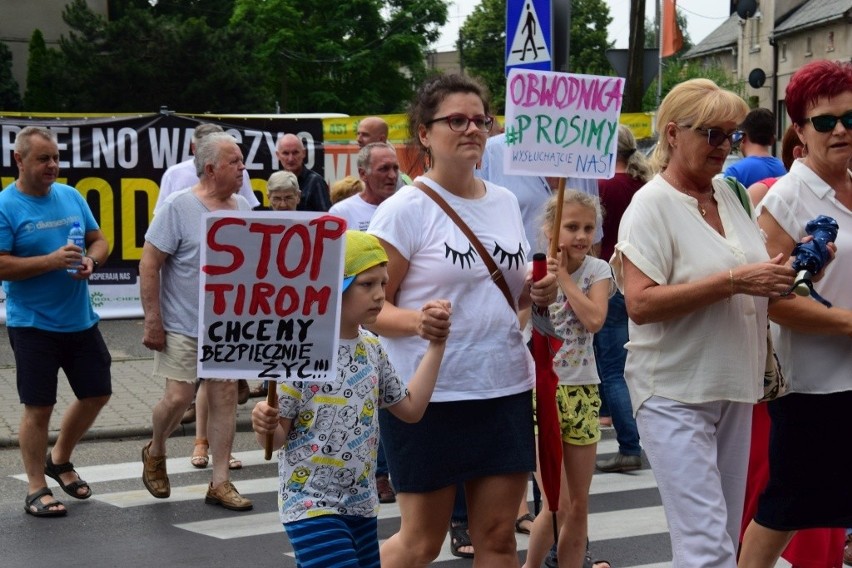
269 295
561 124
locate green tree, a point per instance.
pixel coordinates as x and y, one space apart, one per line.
482 48
141 61
216 13
41 90
10 96
360 56
483 43
678 71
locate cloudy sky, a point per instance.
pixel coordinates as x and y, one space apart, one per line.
702 18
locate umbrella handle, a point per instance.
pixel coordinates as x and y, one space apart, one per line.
271 400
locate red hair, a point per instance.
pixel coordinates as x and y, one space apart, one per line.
816 80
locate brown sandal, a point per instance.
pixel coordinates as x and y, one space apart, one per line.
154 475
199 458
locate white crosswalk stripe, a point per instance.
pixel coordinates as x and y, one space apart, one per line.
610 525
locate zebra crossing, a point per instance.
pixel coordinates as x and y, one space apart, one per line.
626 521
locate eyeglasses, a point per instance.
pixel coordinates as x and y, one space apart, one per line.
716 136
460 122
827 122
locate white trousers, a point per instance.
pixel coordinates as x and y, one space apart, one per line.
699 454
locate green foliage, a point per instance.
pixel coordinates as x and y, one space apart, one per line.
142 61
244 56
216 13
10 97
42 86
483 43
589 21
482 47
675 72
358 57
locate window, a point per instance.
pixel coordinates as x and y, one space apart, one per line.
783 54
808 49
829 43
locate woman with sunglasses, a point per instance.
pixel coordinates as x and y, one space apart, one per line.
810 426
696 279
478 427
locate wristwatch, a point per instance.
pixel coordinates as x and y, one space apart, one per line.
95 263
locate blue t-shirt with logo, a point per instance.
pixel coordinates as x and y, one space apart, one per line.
38 225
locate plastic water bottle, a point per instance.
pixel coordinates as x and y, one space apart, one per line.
77 237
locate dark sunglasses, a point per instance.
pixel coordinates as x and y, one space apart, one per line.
827 122
716 136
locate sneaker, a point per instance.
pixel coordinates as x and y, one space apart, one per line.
154 475
385 489
620 463
551 561
227 496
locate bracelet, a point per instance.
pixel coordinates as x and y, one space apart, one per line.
95 263
731 280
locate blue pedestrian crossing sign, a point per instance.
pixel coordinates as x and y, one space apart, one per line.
529 35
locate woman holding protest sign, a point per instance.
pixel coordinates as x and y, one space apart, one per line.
479 396
696 279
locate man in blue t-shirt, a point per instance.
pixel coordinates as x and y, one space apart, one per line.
758 136
49 316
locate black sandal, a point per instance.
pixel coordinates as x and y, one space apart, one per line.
54 470
33 505
519 523
459 537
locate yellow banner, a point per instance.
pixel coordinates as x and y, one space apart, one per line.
641 124
345 130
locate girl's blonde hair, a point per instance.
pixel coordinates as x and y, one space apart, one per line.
571 196
635 163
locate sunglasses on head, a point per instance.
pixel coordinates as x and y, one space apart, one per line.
716 136
827 122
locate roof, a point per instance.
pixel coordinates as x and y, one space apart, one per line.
723 38
812 14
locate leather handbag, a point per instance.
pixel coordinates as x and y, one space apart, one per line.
493 270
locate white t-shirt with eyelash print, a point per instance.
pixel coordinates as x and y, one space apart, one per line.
485 355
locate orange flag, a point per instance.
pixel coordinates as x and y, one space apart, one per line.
672 38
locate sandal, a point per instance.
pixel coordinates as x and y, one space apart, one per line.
199 458
54 471
459 538
234 463
33 505
519 523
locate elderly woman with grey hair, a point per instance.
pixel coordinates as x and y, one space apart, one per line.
282 188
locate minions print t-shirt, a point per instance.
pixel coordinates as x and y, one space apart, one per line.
327 465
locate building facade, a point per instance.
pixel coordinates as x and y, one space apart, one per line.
764 50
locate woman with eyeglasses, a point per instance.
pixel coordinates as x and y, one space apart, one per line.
478 428
810 426
696 280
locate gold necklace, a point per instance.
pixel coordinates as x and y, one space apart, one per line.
701 208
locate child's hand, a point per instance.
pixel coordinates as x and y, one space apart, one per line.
264 418
434 324
554 263
543 291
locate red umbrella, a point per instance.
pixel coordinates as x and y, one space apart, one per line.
543 348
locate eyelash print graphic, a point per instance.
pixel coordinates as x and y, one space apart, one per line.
461 257
516 258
